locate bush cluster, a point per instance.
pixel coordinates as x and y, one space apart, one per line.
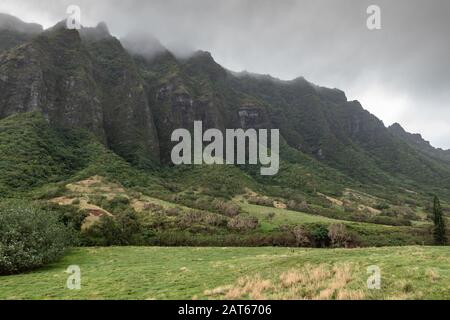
320 236
30 237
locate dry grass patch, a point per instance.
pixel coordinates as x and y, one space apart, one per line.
96 184
139 205
322 282
251 287
432 274
279 205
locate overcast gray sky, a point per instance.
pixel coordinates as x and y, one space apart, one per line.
400 73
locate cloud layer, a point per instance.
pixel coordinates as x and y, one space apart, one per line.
400 73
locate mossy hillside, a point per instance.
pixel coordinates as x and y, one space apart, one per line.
38 158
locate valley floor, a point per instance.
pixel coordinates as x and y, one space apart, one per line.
239 273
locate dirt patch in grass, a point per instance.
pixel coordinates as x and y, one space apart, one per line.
279 205
63 201
334 201
368 209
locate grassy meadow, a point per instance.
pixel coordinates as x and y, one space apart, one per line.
239 273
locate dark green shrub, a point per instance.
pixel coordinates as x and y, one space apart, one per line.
122 229
382 206
120 200
319 235
129 226
30 237
439 230
116 205
103 233
70 215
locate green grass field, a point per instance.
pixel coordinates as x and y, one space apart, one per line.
282 216
239 273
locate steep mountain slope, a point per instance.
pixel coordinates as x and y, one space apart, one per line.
315 121
79 110
321 122
35 154
81 83
132 101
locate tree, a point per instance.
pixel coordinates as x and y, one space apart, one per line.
439 232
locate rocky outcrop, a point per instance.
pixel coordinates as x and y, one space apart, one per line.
127 119
52 74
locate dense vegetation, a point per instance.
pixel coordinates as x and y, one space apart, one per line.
198 206
85 132
30 238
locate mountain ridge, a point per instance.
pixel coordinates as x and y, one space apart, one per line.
132 102
417 141
12 23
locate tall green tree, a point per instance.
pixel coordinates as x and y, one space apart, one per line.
440 237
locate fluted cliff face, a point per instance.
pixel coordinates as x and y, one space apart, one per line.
53 74
80 81
133 102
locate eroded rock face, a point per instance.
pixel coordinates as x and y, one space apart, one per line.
254 117
56 80
133 104
91 84
127 118
175 107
